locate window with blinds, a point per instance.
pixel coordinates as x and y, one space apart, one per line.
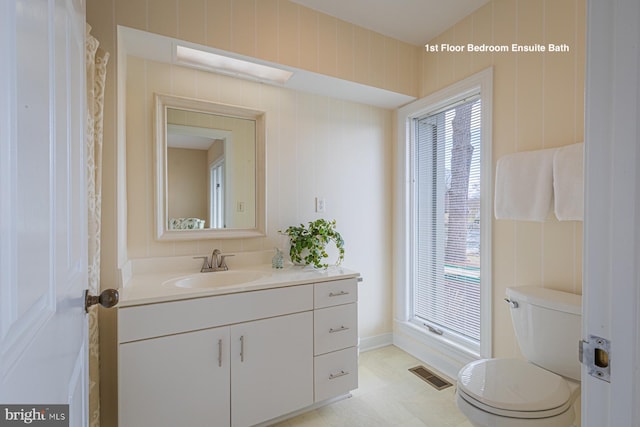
446 220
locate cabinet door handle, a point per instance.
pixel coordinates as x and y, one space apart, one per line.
242 348
340 329
338 375
338 294
220 353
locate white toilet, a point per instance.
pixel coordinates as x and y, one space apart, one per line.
538 392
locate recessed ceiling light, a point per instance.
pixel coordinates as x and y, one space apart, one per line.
232 66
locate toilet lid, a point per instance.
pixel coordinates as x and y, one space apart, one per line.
513 385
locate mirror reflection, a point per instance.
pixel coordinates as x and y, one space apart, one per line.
210 170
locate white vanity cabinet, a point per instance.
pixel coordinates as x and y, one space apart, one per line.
237 359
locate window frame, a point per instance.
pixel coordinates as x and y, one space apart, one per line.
435 200
217 211
410 335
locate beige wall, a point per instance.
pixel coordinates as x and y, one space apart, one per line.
279 31
187 179
316 146
538 103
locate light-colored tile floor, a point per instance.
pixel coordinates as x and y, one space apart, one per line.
388 395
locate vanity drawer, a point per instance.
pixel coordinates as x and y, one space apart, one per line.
336 292
335 328
335 373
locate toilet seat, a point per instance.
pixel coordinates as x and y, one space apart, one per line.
514 388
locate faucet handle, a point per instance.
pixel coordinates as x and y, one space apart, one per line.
205 262
223 262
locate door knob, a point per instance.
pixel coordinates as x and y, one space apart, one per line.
108 298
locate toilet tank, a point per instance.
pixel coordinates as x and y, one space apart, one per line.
548 327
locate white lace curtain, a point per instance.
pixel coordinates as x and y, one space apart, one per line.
96 62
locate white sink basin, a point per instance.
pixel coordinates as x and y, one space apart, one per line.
217 279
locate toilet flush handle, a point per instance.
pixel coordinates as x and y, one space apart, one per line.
512 304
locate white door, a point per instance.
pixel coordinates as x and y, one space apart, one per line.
612 211
43 241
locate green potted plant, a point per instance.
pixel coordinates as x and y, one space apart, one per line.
308 243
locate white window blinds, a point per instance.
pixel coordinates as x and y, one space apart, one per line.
446 219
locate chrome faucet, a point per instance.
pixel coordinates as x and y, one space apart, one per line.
216 258
218 262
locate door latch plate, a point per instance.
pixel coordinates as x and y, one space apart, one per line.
594 354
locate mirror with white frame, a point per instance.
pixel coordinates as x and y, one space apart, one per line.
209 170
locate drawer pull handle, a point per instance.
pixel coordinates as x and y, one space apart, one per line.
219 353
338 375
242 348
340 329
338 294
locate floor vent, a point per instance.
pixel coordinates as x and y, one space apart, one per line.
434 380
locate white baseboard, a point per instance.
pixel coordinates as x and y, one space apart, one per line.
378 341
430 358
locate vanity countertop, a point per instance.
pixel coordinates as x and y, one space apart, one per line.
149 288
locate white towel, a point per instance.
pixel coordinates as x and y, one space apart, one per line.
568 182
524 185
